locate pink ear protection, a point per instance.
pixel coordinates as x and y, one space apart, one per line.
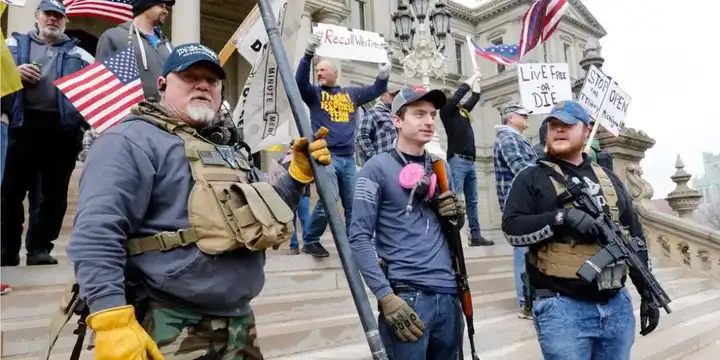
413 177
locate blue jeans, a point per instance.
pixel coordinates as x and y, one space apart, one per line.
302 212
569 329
342 178
444 328
465 181
519 269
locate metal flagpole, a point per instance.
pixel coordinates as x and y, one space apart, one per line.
324 188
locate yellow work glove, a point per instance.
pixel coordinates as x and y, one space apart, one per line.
300 169
118 336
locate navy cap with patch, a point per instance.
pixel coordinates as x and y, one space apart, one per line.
186 55
55 6
415 93
570 112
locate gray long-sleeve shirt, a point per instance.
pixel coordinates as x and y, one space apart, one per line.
413 246
136 182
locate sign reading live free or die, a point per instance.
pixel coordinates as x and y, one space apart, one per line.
606 102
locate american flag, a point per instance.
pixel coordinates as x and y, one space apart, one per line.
501 54
105 91
115 10
539 22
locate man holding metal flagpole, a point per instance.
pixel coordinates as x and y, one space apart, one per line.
325 190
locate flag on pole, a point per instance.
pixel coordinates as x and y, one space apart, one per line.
105 91
114 10
19 3
500 54
9 74
263 111
539 22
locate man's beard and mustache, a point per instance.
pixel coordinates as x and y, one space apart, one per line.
52 32
201 113
564 151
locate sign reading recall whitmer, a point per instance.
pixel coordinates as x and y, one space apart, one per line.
614 109
543 85
352 44
593 91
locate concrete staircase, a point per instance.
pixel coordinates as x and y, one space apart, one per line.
305 311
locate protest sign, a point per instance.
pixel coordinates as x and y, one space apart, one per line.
593 91
543 85
614 108
352 44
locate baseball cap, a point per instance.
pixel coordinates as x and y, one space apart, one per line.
415 93
186 55
516 108
570 112
52 5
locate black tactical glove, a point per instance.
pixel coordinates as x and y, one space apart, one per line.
649 315
577 221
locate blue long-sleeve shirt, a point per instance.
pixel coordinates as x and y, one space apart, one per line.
412 245
334 107
136 182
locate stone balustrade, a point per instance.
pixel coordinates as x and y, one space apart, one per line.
672 238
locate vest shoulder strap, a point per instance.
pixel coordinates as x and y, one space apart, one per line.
608 190
554 175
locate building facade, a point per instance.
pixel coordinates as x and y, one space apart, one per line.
708 184
213 22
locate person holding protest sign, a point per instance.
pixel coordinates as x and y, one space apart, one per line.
420 313
334 107
576 318
457 121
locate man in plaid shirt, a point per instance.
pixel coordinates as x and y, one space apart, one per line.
377 133
512 152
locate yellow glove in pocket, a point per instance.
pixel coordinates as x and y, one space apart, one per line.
300 169
118 336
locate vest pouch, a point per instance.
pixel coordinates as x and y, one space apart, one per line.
262 217
212 217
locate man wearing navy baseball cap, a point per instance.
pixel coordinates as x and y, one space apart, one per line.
417 286
576 318
166 191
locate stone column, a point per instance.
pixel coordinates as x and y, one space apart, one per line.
628 149
21 18
683 199
185 22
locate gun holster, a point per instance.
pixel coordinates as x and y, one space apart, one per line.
71 304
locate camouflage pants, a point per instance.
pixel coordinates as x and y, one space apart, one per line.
187 335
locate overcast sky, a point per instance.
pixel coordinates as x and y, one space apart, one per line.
674 95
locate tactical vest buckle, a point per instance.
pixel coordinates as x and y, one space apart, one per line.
172 239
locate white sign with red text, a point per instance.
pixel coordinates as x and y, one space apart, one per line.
352 44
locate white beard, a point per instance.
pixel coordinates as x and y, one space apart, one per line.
52 33
203 114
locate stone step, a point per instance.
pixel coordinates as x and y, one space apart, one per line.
335 326
507 331
686 310
709 351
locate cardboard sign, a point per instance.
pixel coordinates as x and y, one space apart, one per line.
543 85
593 91
614 109
352 44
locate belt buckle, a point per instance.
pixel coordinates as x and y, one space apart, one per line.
171 234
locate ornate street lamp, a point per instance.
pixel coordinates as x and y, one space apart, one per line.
423 56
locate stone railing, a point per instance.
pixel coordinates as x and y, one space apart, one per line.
672 236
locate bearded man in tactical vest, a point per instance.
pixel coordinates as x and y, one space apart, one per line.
186 218
575 319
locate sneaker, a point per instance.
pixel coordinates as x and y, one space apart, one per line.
526 314
4 289
316 250
480 241
293 251
40 258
